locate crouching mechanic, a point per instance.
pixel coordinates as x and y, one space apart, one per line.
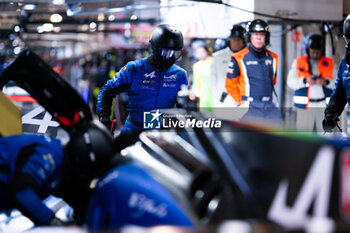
151 82
341 92
30 169
33 167
129 195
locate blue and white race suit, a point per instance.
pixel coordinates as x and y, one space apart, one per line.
148 89
30 169
341 92
129 195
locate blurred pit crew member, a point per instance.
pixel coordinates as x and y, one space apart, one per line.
220 63
201 83
33 167
311 77
341 92
252 74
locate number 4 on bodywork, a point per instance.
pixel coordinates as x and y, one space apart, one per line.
52 92
315 189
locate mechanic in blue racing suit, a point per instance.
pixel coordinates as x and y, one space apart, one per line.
125 193
341 92
152 82
29 172
33 167
129 195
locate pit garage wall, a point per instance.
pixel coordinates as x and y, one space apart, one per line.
208 20
294 49
293 40
212 20
302 9
289 46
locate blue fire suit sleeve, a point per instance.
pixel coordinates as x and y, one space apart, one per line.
339 95
119 83
35 179
129 195
233 70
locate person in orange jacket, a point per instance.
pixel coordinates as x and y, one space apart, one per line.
311 77
252 74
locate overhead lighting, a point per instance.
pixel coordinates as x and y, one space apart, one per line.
111 17
29 7
85 27
56 18
17 50
15 43
69 12
58 2
101 27
40 29
47 27
56 29
92 25
100 17
17 28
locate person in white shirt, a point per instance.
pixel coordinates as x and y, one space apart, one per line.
220 64
311 78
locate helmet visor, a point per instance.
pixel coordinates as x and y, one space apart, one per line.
169 53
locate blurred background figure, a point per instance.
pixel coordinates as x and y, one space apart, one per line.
220 61
201 83
311 77
220 44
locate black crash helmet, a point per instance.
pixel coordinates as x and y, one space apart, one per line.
166 37
237 31
90 150
258 25
346 29
314 42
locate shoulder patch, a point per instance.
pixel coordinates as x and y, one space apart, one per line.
325 63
